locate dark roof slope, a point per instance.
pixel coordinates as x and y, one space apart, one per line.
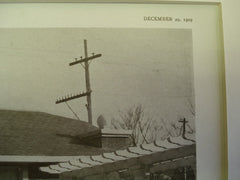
37 133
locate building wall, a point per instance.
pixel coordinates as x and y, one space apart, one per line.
116 143
10 173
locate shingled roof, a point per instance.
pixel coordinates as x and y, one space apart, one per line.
41 134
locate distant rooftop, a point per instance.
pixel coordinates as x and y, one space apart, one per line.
42 134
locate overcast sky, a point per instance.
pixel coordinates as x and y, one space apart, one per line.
151 67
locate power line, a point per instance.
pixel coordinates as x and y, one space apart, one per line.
88 92
72 110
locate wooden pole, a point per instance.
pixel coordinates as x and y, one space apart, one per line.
88 92
88 86
184 122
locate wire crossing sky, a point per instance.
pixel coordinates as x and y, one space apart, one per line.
151 67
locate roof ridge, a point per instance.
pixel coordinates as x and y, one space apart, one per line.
38 112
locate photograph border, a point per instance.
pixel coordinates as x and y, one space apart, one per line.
222 65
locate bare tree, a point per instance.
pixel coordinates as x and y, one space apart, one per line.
191 106
192 110
144 129
174 129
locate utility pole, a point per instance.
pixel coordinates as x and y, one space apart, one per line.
88 92
88 85
184 122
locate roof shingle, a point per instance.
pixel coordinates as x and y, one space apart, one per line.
42 134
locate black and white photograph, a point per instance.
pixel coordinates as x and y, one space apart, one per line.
97 104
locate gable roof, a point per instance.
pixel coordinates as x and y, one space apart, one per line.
42 134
